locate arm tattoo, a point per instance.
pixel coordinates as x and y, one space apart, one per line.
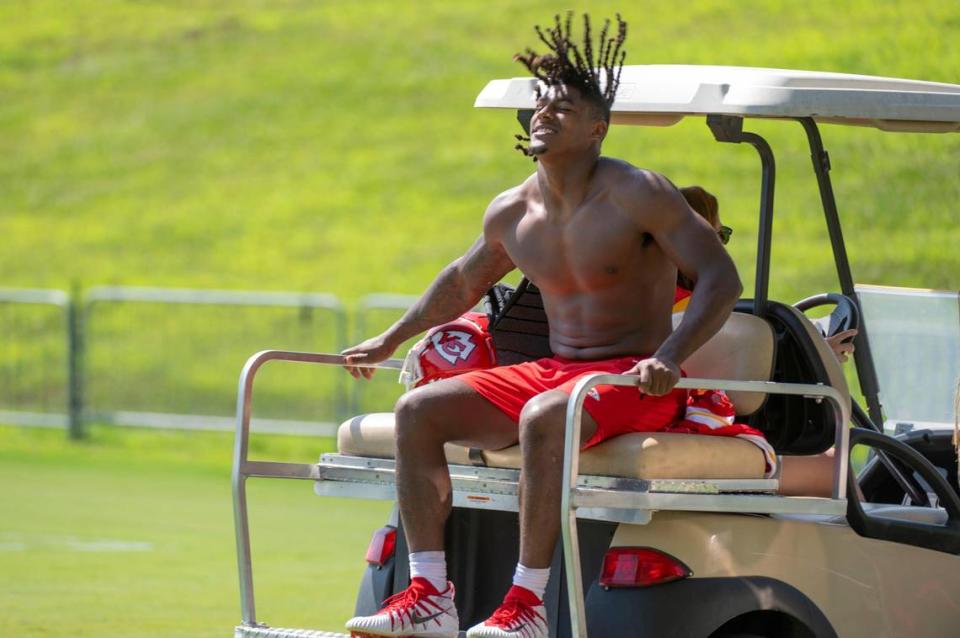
456 289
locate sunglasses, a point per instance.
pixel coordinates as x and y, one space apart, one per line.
724 234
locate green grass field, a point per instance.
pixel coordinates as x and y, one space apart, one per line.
332 146
131 534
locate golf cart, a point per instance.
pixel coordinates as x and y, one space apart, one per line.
667 534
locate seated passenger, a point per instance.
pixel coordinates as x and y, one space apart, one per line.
705 204
801 475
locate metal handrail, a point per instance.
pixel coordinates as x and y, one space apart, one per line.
571 461
242 468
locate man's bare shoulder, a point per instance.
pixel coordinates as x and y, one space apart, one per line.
640 191
623 177
507 207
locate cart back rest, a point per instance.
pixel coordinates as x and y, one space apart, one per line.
741 350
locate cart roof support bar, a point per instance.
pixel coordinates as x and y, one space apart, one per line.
866 372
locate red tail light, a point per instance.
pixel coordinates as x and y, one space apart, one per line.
640 567
382 546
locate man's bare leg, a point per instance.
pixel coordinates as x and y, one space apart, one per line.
428 417
541 444
807 475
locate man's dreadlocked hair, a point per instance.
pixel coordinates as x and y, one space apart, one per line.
597 78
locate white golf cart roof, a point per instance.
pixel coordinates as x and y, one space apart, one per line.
662 94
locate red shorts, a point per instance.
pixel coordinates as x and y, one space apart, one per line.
615 409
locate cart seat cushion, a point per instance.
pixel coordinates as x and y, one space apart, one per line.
743 349
648 455
372 435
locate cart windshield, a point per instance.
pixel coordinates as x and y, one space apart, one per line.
915 340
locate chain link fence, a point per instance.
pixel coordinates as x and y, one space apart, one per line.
39 378
169 358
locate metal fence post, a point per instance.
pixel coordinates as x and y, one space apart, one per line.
341 399
75 366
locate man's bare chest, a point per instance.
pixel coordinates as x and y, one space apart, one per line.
591 251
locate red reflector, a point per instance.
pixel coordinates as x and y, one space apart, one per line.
640 567
382 546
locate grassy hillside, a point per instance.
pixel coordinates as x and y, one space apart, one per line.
332 146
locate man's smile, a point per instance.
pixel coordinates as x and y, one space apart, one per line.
543 129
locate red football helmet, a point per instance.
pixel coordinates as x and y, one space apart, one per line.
463 345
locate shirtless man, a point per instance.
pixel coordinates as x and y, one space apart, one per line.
603 241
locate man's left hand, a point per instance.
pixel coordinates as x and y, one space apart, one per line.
657 375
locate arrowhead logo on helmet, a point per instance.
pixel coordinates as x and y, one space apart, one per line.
453 345
462 345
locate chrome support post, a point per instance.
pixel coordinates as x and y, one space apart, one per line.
568 509
239 481
729 129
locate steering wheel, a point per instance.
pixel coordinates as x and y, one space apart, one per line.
846 315
932 536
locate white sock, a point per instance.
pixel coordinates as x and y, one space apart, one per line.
430 565
533 579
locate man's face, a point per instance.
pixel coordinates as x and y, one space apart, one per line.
564 121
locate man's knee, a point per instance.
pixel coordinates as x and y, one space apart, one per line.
419 414
411 413
542 419
408 405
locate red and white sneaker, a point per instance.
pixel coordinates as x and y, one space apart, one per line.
418 611
520 615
